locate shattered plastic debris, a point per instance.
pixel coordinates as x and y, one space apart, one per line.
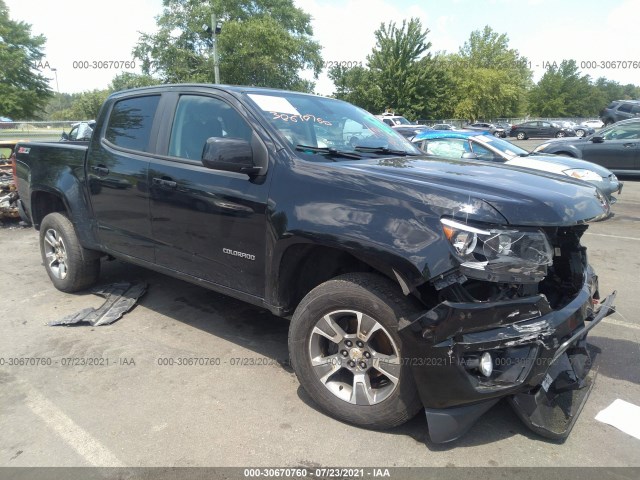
119 299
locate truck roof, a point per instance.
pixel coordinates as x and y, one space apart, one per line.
213 86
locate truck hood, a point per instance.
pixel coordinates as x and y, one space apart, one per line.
520 195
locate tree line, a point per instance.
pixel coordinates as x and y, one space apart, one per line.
485 79
270 43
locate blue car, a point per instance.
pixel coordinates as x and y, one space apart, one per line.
471 145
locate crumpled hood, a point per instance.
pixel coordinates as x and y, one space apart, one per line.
522 196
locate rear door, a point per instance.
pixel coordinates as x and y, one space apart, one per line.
207 223
118 164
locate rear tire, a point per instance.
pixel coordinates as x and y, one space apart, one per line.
360 313
580 133
560 135
69 266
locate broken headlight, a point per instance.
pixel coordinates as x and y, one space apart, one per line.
505 255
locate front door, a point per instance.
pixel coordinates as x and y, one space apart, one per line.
208 223
620 148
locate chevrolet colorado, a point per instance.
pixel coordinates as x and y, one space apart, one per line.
412 282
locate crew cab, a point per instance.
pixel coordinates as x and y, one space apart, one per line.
413 283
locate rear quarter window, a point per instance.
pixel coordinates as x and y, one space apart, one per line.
131 121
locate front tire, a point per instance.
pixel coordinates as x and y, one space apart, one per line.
560 135
521 136
580 133
69 266
347 354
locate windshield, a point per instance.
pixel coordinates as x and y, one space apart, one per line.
402 121
505 147
319 122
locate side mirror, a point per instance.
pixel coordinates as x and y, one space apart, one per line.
597 139
229 154
64 136
469 156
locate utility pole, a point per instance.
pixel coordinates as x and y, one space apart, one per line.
215 29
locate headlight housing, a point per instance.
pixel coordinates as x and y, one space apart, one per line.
505 255
583 174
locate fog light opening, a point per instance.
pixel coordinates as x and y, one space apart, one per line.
486 364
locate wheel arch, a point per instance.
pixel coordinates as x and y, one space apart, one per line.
45 201
303 266
567 153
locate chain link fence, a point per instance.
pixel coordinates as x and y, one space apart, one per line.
35 131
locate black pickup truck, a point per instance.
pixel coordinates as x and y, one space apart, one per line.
412 282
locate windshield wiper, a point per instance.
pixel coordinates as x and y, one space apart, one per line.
386 150
330 151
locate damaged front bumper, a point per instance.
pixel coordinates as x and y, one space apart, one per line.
538 356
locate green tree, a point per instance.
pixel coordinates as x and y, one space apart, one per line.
491 80
87 105
400 75
608 90
403 68
128 80
23 90
563 92
357 85
262 43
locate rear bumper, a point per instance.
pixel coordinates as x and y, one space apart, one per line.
538 355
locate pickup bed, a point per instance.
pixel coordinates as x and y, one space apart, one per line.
412 282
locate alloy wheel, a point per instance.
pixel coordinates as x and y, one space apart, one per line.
354 357
55 253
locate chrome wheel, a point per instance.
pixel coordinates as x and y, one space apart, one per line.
560 135
55 253
354 357
580 133
521 136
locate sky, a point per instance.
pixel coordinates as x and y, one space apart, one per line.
545 31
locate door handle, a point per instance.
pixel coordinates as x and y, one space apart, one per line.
100 169
161 182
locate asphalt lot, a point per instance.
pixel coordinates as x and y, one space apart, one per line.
136 412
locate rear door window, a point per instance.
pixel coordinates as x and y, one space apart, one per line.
131 121
625 107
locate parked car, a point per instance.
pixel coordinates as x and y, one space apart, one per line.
409 132
474 145
540 128
620 110
504 125
487 127
382 257
616 147
5 123
595 124
444 126
581 130
80 132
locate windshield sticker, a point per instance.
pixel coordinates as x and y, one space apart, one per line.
299 118
269 103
